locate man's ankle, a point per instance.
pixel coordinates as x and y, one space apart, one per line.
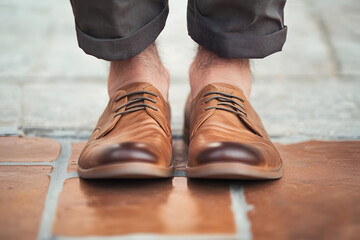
208 68
145 67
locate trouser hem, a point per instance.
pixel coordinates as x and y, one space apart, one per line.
234 44
124 47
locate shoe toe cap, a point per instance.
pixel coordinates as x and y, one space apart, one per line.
117 153
230 152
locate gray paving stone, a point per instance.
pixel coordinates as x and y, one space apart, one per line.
29 3
339 21
10 108
23 20
62 56
309 108
69 61
23 35
304 53
63 106
16 60
40 40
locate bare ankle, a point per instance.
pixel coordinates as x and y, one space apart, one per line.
145 67
208 68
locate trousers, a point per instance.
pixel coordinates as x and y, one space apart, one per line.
120 29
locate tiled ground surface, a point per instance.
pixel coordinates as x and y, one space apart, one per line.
23 193
316 199
50 88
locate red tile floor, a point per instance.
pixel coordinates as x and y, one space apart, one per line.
43 198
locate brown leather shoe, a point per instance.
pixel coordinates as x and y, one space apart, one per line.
132 138
226 137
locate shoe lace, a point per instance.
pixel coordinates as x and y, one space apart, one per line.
136 107
226 99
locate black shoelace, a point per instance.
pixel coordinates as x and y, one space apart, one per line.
226 99
136 107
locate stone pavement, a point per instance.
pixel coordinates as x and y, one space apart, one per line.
310 90
50 89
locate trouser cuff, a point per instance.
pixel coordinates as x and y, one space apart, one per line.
124 47
234 44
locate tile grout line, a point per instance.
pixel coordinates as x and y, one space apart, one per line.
240 209
57 177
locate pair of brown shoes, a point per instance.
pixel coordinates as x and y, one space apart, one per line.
226 138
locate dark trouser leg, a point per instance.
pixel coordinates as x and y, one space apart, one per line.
118 29
238 28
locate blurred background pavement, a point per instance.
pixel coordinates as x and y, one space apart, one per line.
49 87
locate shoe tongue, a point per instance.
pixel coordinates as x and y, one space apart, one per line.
136 86
228 88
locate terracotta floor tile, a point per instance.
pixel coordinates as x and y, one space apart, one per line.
28 149
318 197
76 149
23 191
172 206
179 155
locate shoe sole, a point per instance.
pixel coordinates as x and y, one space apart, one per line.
232 171
126 171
